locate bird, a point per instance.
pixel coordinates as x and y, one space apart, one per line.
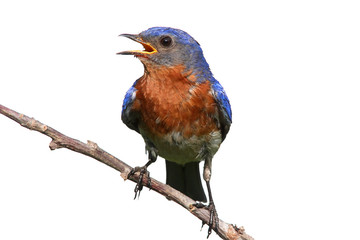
181 111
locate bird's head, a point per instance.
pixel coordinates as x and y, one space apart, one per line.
169 47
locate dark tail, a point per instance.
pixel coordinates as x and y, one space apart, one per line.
186 179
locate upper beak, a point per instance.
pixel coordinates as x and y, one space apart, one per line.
148 49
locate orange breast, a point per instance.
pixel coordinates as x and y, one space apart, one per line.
169 102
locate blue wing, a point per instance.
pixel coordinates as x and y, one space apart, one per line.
129 116
225 115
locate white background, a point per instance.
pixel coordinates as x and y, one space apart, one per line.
289 168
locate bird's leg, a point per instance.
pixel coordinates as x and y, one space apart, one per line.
213 219
143 171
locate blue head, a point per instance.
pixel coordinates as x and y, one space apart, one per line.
164 46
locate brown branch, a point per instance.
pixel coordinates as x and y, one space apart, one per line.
91 149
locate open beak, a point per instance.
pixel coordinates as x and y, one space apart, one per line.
148 49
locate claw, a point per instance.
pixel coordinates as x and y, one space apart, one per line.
139 185
143 171
213 216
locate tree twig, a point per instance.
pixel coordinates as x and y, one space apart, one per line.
91 149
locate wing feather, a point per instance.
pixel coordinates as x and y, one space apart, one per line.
223 103
128 115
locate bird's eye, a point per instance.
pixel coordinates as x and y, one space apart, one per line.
166 41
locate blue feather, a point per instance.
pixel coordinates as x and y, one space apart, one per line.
225 115
222 98
188 47
128 99
129 117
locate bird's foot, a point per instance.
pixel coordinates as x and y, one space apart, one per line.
213 219
139 185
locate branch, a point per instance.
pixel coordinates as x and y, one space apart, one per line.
91 149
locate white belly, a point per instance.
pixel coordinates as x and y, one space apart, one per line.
175 148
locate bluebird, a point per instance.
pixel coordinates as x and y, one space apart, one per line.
179 108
